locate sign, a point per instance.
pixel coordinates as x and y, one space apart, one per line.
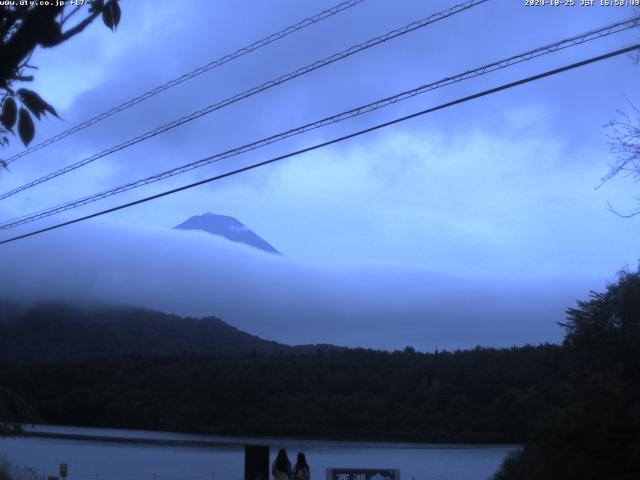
362 474
63 470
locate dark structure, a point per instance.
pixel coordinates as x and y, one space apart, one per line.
256 462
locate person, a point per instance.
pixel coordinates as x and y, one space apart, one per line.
301 470
281 469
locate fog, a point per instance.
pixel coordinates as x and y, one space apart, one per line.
362 304
478 224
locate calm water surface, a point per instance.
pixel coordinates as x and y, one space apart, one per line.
102 460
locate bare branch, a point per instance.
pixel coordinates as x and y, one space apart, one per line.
624 141
633 213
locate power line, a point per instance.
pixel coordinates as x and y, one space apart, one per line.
528 55
255 90
192 74
506 86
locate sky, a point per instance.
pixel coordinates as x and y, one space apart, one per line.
477 224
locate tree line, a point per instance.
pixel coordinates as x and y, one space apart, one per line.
575 406
480 395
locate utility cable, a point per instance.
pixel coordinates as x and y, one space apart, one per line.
253 91
188 76
506 86
528 55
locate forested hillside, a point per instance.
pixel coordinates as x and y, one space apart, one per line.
57 332
472 396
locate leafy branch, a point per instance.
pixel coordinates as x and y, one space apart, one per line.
23 28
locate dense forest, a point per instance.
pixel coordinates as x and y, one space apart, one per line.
575 406
476 396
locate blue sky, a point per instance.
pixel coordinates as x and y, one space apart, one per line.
477 224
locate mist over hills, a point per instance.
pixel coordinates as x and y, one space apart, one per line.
229 228
52 332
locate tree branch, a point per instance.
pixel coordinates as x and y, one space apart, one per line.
25 39
73 12
80 26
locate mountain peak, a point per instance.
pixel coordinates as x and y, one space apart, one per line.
227 227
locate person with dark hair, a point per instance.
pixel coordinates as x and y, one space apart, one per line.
301 470
281 469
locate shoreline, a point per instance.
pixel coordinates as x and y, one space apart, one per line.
235 442
133 440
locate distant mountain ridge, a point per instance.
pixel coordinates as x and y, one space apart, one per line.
229 228
60 332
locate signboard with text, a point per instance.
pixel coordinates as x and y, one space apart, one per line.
362 474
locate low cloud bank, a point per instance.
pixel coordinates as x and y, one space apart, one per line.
365 304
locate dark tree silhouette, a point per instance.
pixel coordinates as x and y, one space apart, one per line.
14 411
596 433
23 28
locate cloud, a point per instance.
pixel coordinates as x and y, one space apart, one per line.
477 224
360 304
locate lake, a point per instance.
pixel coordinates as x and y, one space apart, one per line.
103 458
